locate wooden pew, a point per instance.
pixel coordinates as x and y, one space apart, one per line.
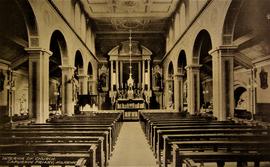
192 126
61 134
169 139
205 130
101 156
46 154
70 131
112 136
221 151
151 125
157 138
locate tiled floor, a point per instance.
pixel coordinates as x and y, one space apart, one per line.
132 149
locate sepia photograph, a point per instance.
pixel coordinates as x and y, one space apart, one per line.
134 83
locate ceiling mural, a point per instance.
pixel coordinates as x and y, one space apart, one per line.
148 20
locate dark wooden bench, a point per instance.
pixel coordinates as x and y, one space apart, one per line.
194 126
101 155
112 136
158 140
60 134
47 154
169 139
151 126
221 151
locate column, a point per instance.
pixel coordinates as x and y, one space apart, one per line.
121 74
148 70
83 81
168 93
38 83
94 78
193 79
14 94
111 75
140 73
143 73
176 92
253 91
223 95
181 92
68 92
117 75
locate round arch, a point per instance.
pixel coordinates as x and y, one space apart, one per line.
58 48
60 41
170 69
230 20
78 60
182 60
201 56
79 64
29 17
202 46
237 94
90 69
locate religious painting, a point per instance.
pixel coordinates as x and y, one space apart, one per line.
103 80
157 78
263 79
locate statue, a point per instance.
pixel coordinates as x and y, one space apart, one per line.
130 87
263 78
2 81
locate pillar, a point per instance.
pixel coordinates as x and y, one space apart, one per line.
223 95
117 75
83 81
193 79
68 92
176 92
179 91
140 72
148 74
168 93
143 73
121 74
38 83
111 75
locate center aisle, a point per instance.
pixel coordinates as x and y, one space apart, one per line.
132 149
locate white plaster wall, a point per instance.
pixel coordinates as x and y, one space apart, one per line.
48 21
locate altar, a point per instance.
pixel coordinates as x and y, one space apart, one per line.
130 107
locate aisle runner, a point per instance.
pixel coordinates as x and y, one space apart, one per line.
132 149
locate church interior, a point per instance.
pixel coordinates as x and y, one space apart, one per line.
134 83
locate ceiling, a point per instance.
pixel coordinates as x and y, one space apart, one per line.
148 20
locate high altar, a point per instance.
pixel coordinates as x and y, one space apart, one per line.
130 75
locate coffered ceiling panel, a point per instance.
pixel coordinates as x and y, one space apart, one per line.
146 18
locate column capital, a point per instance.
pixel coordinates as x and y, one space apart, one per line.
81 76
224 49
67 67
37 51
193 66
179 75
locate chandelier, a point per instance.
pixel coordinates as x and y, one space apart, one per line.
130 81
